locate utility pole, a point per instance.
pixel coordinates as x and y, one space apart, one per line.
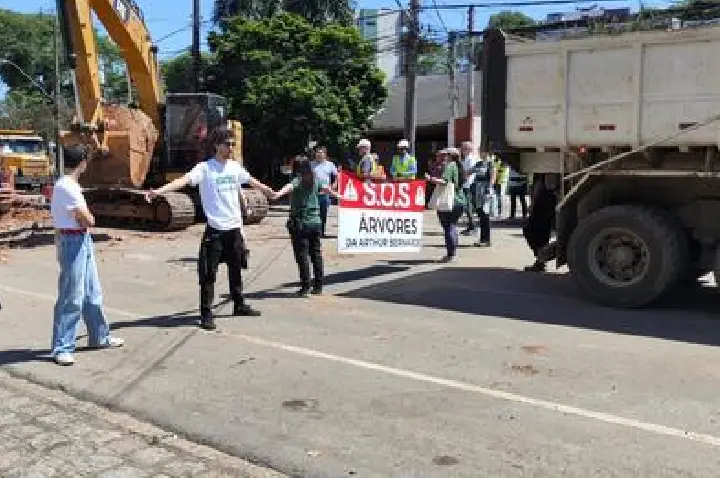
196 45
59 157
471 75
411 55
452 64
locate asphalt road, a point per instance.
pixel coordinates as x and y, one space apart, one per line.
405 368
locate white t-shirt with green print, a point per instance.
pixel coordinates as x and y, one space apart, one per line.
220 185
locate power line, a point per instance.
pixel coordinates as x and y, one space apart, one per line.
522 3
437 12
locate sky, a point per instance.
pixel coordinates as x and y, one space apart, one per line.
166 16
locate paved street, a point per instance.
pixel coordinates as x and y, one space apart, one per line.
404 368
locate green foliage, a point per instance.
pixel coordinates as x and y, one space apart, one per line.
178 73
27 40
315 11
289 82
507 20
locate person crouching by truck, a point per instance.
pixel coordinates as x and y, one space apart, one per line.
305 225
539 226
451 175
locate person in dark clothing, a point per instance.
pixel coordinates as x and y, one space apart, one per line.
305 225
485 176
538 229
517 188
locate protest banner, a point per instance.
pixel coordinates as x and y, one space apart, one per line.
379 217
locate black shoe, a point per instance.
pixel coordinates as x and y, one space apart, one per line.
207 323
536 267
317 290
244 310
468 232
303 292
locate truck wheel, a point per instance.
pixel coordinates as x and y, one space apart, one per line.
627 256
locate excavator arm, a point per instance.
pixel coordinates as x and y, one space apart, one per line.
125 25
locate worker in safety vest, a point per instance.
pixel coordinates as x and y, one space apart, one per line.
404 164
367 166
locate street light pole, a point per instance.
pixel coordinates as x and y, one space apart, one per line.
59 155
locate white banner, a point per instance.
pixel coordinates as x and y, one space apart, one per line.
376 231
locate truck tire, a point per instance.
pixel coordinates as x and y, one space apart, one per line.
627 256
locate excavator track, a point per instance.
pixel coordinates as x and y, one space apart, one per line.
127 207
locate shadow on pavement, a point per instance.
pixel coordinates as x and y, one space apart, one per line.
357 274
15 356
551 299
43 238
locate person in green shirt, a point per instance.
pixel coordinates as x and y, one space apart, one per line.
305 224
452 174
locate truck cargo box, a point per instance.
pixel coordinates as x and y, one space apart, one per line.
602 91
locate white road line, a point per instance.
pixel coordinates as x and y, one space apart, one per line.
444 382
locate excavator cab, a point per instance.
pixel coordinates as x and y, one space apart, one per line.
189 119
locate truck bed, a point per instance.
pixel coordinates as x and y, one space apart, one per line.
607 91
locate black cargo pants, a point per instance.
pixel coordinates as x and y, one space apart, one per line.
306 245
216 247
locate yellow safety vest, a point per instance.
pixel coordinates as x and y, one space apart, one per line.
402 168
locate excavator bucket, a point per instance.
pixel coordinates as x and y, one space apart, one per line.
124 153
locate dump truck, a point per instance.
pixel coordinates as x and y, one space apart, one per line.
26 153
630 121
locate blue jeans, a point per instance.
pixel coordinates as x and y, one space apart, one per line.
448 221
79 295
324 203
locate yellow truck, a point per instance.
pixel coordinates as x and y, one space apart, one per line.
26 154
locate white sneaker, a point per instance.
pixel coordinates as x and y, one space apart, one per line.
113 342
64 358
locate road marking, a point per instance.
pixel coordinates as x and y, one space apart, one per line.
444 382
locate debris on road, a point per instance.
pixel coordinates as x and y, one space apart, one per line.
527 370
535 349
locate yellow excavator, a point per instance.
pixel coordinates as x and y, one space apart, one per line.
138 147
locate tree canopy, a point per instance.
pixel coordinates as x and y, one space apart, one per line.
507 20
289 82
27 41
178 73
317 12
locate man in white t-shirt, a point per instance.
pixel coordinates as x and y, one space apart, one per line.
79 291
220 180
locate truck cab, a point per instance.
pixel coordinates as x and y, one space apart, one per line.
26 154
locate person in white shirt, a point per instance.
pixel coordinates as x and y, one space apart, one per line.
468 164
79 291
326 174
220 180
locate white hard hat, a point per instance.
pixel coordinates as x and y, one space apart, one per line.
364 143
453 150
403 143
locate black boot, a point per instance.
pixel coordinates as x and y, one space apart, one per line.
304 291
244 310
317 288
207 322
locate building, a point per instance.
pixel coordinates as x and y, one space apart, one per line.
434 115
383 28
594 13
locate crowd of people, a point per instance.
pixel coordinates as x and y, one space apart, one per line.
478 184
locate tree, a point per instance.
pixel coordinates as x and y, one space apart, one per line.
27 41
178 73
289 81
315 11
507 20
